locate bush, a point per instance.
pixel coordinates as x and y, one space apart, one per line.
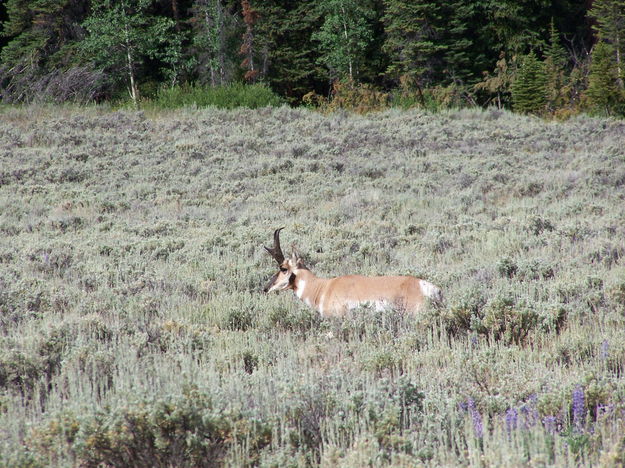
177 431
224 97
349 95
299 321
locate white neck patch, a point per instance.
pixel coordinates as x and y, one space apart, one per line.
301 285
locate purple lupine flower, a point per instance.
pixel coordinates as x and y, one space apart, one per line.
605 348
476 417
529 412
579 406
512 416
550 423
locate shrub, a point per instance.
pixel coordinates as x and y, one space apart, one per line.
225 97
507 321
349 95
180 431
239 319
299 320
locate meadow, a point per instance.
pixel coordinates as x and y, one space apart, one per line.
134 331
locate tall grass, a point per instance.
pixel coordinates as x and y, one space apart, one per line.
224 97
133 331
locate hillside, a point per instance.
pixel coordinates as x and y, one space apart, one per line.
133 329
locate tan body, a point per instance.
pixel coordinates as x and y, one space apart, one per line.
337 296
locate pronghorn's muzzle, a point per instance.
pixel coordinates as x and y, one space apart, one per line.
270 283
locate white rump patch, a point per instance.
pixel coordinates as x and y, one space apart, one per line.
430 291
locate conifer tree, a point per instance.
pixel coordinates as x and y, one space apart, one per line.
604 95
412 40
610 28
528 88
498 84
555 63
42 39
287 53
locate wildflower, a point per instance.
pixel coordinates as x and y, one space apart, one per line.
579 407
474 341
476 417
529 413
550 423
511 420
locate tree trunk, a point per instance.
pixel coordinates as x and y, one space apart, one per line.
349 55
134 90
174 9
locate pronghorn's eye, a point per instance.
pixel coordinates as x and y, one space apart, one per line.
282 269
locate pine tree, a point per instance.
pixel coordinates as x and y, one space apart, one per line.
412 33
555 63
42 38
528 89
433 43
287 53
604 95
610 28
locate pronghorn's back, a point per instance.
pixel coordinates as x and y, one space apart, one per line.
337 296
398 292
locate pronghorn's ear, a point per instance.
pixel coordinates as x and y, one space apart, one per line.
295 253
296 258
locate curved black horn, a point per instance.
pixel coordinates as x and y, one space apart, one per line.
276 251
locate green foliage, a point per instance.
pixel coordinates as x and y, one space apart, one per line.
182 431
122 36
411 39
609 18
529 94
604 95
555 66
224 97
39 61
214 41
344 36
426 54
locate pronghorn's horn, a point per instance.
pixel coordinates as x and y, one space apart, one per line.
276 251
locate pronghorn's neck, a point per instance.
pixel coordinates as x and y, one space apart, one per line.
309 288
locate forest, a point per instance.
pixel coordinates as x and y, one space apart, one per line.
553 58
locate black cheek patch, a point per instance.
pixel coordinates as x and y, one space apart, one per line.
292 279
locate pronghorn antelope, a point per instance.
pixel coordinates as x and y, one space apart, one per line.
337 296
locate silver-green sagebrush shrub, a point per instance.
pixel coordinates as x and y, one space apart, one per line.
131 270
185 431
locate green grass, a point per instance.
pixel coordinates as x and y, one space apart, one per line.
223 97
133 329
